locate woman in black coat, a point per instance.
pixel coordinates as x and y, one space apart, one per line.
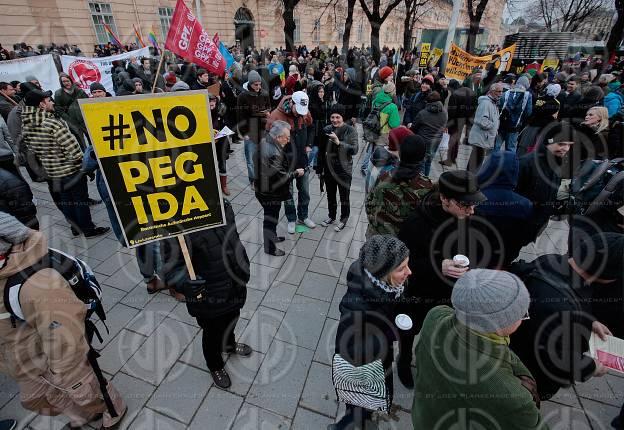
319 109
216 297
367 328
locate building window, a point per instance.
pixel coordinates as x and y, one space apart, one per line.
297 33
165 14
316 34
360 31
101 13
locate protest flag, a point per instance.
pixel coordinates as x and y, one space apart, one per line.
112 37
138 37
152 38
190 41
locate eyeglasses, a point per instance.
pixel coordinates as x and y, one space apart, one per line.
464 206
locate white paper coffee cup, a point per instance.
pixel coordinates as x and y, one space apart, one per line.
461 261
404 322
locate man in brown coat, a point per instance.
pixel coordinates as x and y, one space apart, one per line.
46 353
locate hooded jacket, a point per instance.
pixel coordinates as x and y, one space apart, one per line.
518 102
508 215
430 124
613 102
52 338
485 125
389 116
66 105
296 148
51 141
127 88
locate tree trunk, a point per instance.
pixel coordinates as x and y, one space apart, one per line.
289 26
407 30
375 27
616 34
472 35
347 28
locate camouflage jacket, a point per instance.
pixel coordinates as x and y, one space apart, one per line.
390 203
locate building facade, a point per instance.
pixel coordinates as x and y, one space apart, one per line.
81 22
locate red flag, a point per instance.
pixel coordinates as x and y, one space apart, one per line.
190 41
215 39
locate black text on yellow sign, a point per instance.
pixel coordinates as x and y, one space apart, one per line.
156 153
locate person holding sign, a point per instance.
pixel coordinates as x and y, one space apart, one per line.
216 297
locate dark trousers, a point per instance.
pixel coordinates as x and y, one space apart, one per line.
71 196
269 224
218 337
342 184
477 155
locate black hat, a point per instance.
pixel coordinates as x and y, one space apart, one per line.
97 86
36 96
412 150
337 109
558 132
602 255
381 254
462 186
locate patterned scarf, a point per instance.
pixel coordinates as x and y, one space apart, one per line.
397 291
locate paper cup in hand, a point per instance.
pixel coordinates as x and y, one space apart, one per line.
404 322
461 261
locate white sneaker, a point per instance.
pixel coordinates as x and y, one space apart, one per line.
339 226
327 222
307 222
291 227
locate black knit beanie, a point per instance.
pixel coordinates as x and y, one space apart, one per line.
381 254
338 109
412 150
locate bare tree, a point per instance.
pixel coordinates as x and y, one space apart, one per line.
347 27
376 18
475 13
617 32
565 15
288 14
411 17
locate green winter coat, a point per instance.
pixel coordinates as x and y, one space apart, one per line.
469 380
389 117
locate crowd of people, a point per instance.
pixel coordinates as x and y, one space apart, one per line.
497 335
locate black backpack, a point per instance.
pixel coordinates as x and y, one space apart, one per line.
83 283
372 124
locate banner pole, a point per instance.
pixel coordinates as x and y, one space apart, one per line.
187 257
160 63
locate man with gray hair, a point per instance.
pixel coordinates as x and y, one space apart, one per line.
484 130
272 181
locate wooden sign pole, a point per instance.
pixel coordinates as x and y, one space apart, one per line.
187 257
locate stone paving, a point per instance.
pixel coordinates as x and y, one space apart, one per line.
153 349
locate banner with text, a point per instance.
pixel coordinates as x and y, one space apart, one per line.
41 67
425 49
190 41
461 63
84 71
158 157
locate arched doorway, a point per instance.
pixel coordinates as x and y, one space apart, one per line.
243 28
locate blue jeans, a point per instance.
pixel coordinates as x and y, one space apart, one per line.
509 137
303 199
312 156
148 258
71 197
367 156
250 149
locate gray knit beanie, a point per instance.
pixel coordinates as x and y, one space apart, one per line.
381 254
489 300
253 76
180 86
12 232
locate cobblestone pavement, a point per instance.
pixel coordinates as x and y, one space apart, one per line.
153 351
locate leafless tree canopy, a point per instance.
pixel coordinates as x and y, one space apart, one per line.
413 13
565 15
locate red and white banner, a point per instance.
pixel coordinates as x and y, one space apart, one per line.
190 41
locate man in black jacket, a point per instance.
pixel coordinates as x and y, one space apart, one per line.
541 172
216 297
16 198
272 181
437 231
568 297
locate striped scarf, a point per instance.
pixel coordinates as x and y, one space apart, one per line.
397 291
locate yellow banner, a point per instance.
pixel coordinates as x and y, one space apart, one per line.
549 62
157 155
425 49
435 56
461 63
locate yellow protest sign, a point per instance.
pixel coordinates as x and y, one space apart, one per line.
549 62
461 63
436 54
425 49
158 158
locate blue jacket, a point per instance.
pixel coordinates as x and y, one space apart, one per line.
497 178
613 102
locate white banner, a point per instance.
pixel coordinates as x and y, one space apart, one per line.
40 66
85 71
